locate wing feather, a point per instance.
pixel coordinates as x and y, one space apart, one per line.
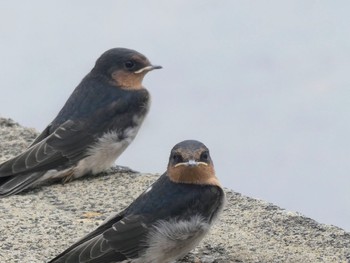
128 236
119 239
18 183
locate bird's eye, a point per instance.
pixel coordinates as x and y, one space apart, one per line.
204 156
129 64
177 158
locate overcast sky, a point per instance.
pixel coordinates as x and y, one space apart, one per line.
264 84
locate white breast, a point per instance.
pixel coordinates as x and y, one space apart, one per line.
103 154
106 150
173 239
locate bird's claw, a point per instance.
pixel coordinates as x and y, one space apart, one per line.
68 177
125 169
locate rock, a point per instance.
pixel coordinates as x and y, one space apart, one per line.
38 224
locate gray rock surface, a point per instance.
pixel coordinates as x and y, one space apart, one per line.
39 223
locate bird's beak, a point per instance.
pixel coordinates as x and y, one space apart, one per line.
191 163
148 68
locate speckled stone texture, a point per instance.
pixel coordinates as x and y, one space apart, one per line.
39 223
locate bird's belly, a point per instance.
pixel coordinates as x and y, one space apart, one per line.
172 239
104 152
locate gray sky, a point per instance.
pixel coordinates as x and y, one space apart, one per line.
264 84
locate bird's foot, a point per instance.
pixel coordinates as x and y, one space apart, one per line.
124 169
68 177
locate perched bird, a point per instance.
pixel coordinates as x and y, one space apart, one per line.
99 120
165 222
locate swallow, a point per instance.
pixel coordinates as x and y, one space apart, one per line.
165 222
97 123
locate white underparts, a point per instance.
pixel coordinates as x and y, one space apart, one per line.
173 239
103 154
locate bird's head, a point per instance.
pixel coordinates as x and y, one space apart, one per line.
123 67
190 163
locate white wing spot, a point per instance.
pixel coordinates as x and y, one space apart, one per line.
148 189
56 135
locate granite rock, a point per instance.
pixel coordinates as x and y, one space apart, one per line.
41 222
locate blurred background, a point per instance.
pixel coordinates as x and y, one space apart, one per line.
264 84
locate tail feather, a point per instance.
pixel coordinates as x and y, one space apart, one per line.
10 185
